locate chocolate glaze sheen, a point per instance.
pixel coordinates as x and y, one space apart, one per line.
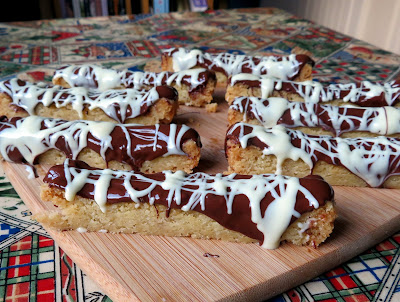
167 92
13 153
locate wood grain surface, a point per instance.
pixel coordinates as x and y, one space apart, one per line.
151 268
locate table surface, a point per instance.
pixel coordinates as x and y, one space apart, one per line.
32 264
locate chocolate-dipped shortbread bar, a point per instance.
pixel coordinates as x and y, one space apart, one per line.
37 140
361 161
363 94
20 98
241 208
291 67
315 118
195 86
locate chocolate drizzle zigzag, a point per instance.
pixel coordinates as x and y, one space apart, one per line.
336 119
372 159
23 140
260 206
365 93
93 76
287 67
118 104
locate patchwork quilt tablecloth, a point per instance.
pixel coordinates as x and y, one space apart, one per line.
34 268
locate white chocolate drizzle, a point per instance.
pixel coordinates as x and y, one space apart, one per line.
315 92
101 78
31 139
303 227
90 76
31 172
306 225
286 67
372 159
81 230
338 119
268 115
119 104
196 187
139 79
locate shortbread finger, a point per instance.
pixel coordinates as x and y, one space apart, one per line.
37 140
359 162
265 208
20 98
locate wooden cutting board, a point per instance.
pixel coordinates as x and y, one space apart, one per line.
151 268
